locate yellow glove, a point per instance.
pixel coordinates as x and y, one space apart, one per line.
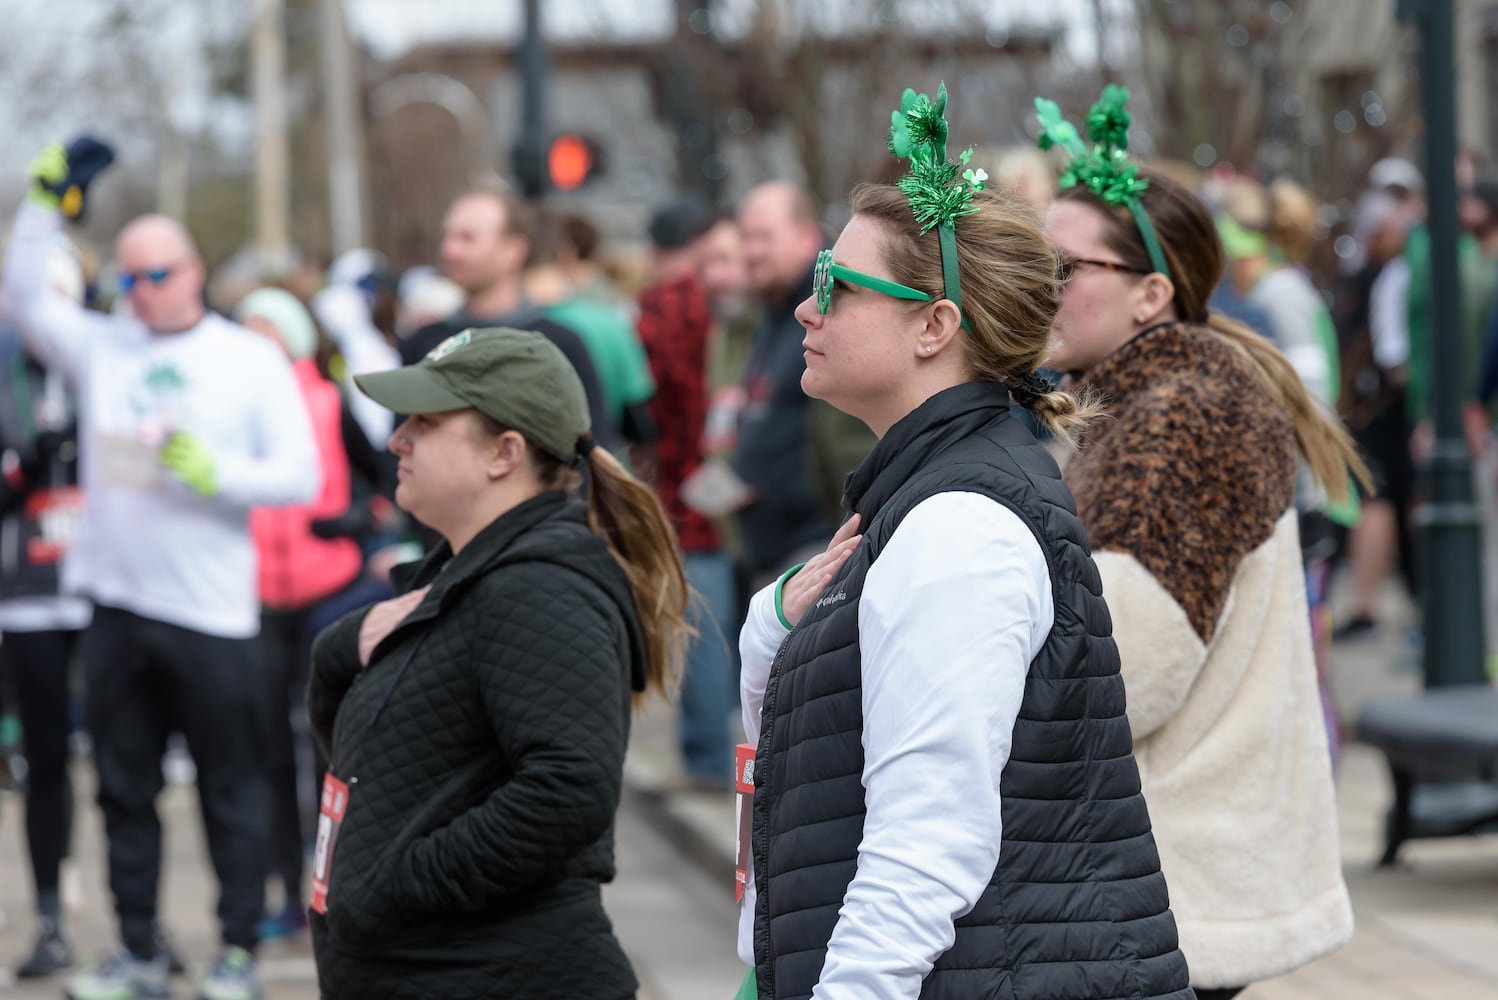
47 174
187 456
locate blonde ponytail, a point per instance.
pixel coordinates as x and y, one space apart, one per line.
628 516
1320 437
1065 413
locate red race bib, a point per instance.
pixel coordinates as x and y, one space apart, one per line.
743 805
57 514
330 818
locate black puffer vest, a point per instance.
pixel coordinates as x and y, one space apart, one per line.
1077 908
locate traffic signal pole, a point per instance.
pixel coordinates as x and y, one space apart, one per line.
530 147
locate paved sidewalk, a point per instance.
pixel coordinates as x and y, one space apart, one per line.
676 924
1426 929
187 898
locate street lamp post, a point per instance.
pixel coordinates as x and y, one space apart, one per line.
1449 519
530 148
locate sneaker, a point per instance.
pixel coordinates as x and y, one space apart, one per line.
121 976
164 946
232 977
50 954
289 922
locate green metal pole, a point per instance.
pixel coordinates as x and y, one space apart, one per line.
1451 528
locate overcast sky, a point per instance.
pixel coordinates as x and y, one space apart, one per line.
172 37
390 26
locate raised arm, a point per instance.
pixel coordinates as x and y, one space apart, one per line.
56 329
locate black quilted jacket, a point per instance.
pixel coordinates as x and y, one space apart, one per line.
483 748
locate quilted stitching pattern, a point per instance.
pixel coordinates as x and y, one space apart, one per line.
484 749
1077 909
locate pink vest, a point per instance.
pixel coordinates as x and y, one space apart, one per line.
298 569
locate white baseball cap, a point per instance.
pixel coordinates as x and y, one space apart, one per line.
1396 172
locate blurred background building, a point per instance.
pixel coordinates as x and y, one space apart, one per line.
396 105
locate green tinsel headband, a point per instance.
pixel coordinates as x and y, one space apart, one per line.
938 197
1106 170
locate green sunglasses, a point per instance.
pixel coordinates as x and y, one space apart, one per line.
827 272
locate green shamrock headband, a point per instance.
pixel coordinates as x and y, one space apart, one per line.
918 133
1106 170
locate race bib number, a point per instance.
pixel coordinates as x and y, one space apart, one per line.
743 805
329 819
57 514
127 463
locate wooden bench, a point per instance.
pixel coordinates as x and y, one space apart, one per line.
1442 749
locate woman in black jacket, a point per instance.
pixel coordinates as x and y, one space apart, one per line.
476 723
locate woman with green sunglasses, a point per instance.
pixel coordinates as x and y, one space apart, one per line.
946 802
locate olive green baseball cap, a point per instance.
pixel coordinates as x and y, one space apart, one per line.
517 377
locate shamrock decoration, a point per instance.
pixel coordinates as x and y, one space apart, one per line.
1106 169
918 133
919 126
822 281
1108 121
1055 130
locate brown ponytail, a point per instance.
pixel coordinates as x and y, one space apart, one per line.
629 517
1321 439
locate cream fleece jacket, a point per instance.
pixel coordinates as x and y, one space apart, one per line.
1187 494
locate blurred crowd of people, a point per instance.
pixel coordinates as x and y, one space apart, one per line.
691 357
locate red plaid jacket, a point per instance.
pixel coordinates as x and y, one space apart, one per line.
674 326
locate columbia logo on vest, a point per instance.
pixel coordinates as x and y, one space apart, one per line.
831 599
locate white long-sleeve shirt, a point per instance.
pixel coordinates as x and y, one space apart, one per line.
953 611
1388 314
148 544
1295 309
342 312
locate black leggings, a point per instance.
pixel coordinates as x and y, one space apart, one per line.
39 665
1226 994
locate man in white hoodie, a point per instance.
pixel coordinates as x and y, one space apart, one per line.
187 422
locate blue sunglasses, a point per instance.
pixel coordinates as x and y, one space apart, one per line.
127 280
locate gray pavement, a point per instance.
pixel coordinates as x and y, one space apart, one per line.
1426 929
676 923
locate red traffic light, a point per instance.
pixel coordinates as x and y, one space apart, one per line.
569 162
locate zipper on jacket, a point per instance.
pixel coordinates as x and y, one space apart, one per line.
399 673
761 758
339 724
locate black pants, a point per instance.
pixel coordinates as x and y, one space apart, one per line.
291 760
1226 994
39 665
146 679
